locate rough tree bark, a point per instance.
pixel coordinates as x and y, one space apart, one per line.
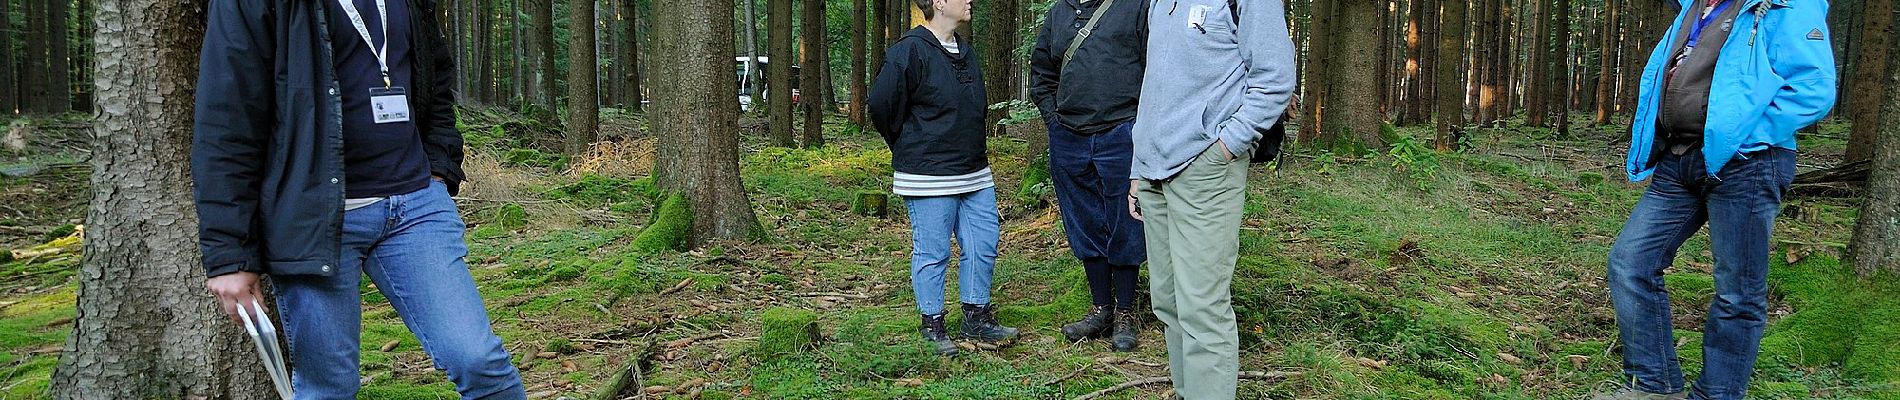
484 51
1450 110
1355 126
753 75
1559 69
145 328
857 86
1316 77
1870 62
697 121
631 91
1610 43
583 83
778 38
816 65
1876 245
9 84
997 42
1537 89
541 54
1414 110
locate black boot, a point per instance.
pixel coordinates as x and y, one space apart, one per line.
979 322
1095 324
1127 331
938 336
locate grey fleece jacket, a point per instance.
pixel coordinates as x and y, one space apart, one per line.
1206 80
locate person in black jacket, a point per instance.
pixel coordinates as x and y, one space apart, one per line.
324 149
927 102
1087 87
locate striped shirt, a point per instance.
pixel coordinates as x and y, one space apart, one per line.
912 185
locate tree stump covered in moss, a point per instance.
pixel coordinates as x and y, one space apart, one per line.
511 216
786 331
871 203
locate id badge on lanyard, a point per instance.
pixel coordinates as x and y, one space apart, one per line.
389 105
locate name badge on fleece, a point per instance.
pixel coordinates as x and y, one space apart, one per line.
1197 16
388 105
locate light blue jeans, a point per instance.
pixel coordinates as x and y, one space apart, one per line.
411 247
973 218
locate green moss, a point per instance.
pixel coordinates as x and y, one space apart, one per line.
405 391
785 331
1690 288
1589 179
1876 356
1072 302
1036 186
775 279
672 227
511 216
60 232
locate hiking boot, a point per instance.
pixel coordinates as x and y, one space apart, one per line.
979 322
938 336
1127 331
1093 325
1634 394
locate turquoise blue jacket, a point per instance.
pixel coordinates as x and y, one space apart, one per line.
1775 76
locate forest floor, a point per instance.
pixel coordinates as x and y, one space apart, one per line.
1475 274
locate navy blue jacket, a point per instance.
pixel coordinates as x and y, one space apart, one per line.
929 106
267 143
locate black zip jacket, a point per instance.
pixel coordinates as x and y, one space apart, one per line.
267 144
929 106
1103 83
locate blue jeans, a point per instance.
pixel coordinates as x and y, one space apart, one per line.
973 218
411 246
1740 210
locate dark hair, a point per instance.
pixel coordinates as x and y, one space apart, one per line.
924 5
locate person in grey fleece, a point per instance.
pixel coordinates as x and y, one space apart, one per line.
1189 175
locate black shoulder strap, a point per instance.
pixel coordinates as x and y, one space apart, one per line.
1233 9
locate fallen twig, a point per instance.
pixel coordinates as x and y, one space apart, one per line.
1072 374
1164 379
681 286
688 341
834 294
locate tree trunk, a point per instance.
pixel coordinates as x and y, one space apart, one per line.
699 143
997 44
1450 108
1318 75
874 38
1414 54
1427 93
778 85
1356 126
583 104
82 90
1876 245
1610 43
541 54
33 66
1537 86
631 92
1869 64
59 70
9 82
484 39
753 75
811 74
1482 43
857 87
1559 71
145 328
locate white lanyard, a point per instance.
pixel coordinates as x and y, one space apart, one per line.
382 14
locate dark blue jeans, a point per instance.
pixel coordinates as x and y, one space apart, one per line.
1740 209
411 246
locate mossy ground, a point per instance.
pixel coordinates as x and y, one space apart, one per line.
1484 284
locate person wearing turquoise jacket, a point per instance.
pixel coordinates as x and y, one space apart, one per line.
1720 101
